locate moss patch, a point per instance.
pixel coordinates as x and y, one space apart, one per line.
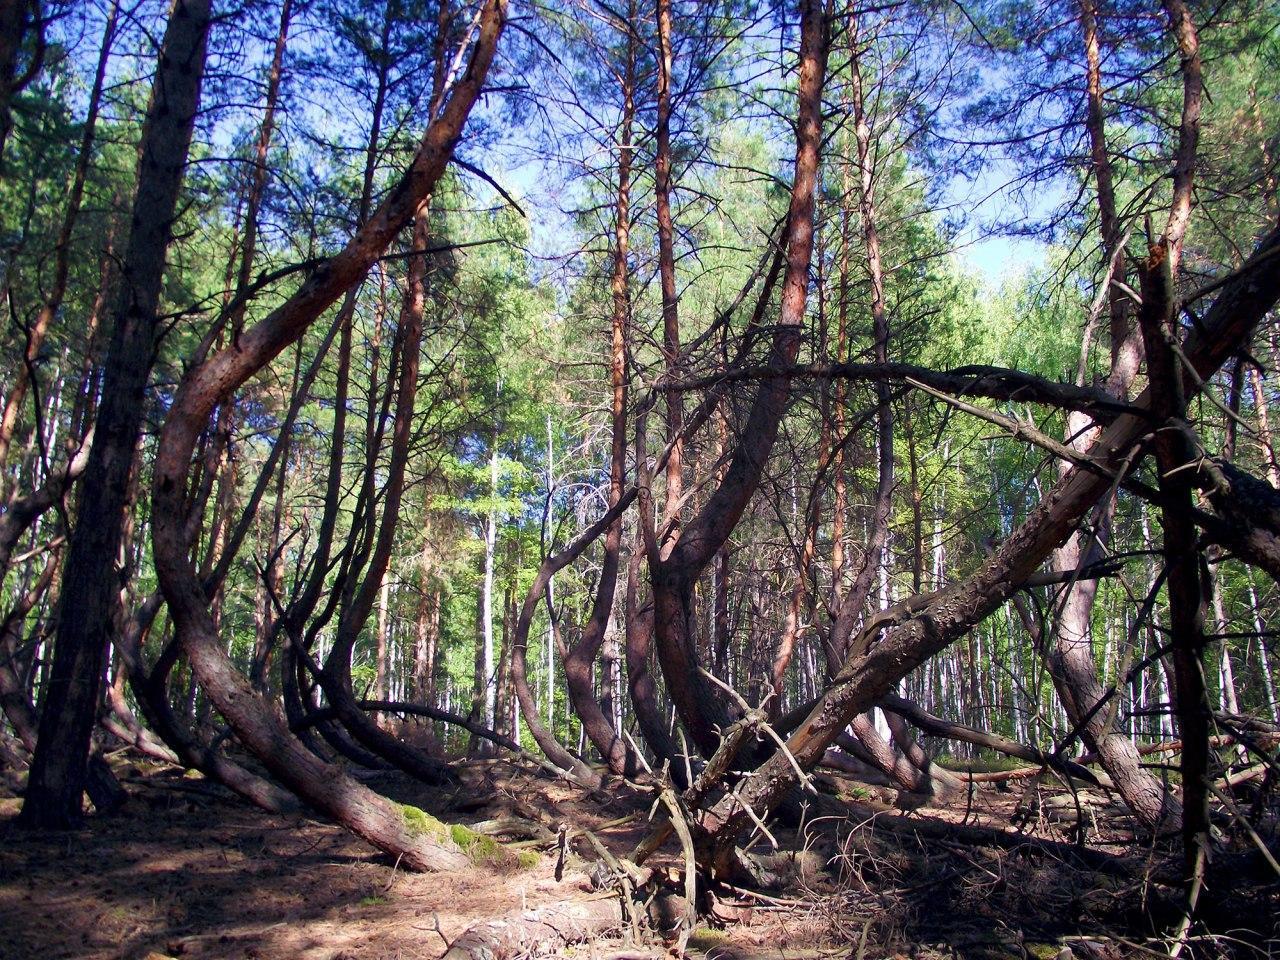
481 849
704 938
1045 951
485 850
419 823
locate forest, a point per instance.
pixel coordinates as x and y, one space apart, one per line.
743 479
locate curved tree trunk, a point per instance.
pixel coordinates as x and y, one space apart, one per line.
336 676
580 659
545 739
151 690
1070 654
934 621
255 722
640 684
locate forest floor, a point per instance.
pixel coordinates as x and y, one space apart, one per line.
187 871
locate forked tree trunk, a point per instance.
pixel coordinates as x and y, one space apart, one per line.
674 577
537 594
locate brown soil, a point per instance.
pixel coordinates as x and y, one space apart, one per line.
187 871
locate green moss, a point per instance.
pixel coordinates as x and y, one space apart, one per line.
420 823
373 900
704 938
478 847
528 859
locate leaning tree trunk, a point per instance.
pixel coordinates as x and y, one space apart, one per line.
1069 656
934 621
254 721
89 590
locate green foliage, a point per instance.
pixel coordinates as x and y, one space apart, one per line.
510 426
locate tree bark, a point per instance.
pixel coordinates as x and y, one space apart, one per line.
357 607
88 585
925 625
257 725
543 928
674 577
1070 655
667 275
851 606
581 656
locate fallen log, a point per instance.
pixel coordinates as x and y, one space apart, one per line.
938 727
516 934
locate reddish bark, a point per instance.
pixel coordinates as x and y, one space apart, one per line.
853 602
674 577
258 727
667 276
927 625
579 660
